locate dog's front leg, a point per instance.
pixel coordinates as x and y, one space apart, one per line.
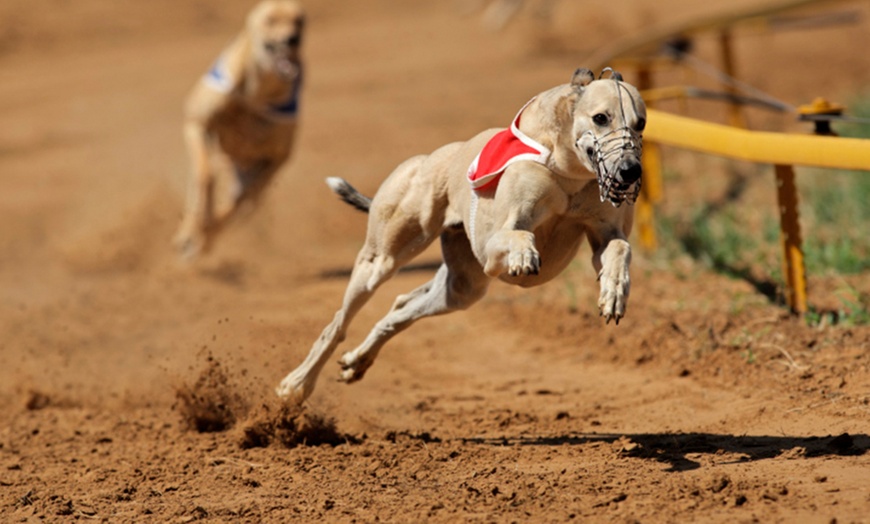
612 259
525 199
191 237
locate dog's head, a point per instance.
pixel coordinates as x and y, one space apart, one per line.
275 28
608 121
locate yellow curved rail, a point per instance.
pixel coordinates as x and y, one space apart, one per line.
757 146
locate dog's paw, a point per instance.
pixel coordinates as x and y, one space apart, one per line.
524 262
512 252
353 367
294 389
614 294
189 244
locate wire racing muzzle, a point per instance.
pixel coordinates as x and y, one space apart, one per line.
616 158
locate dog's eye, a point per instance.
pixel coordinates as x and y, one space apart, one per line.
601 119
641 124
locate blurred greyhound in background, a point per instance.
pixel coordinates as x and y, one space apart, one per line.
242 113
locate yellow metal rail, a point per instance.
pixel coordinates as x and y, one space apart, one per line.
757 146
780 149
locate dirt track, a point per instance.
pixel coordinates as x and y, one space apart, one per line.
707 403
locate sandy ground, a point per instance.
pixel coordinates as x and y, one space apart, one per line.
707 403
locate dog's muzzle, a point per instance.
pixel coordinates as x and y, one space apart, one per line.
616 158
284 54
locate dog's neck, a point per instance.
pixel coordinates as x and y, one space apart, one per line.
548 120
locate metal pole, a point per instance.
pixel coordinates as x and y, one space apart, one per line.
735 114
651 189
793 256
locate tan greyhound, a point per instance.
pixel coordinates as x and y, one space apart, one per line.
511 204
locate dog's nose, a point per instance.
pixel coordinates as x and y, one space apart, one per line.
294 40
629 171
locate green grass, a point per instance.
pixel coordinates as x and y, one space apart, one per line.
836 208
835 215
724 236
854 310
718 240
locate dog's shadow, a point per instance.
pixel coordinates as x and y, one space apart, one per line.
675 448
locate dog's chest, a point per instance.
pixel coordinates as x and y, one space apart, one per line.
585 205
245 131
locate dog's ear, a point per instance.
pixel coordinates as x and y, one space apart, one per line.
614 74
582 77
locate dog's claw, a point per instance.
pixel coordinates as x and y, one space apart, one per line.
523 262
611 308
609 316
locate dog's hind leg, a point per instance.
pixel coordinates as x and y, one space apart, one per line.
249 186
368 274
459 283
401 225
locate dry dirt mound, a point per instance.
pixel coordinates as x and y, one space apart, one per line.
215 403
211 403
291 426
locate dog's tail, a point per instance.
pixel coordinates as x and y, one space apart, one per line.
349 194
